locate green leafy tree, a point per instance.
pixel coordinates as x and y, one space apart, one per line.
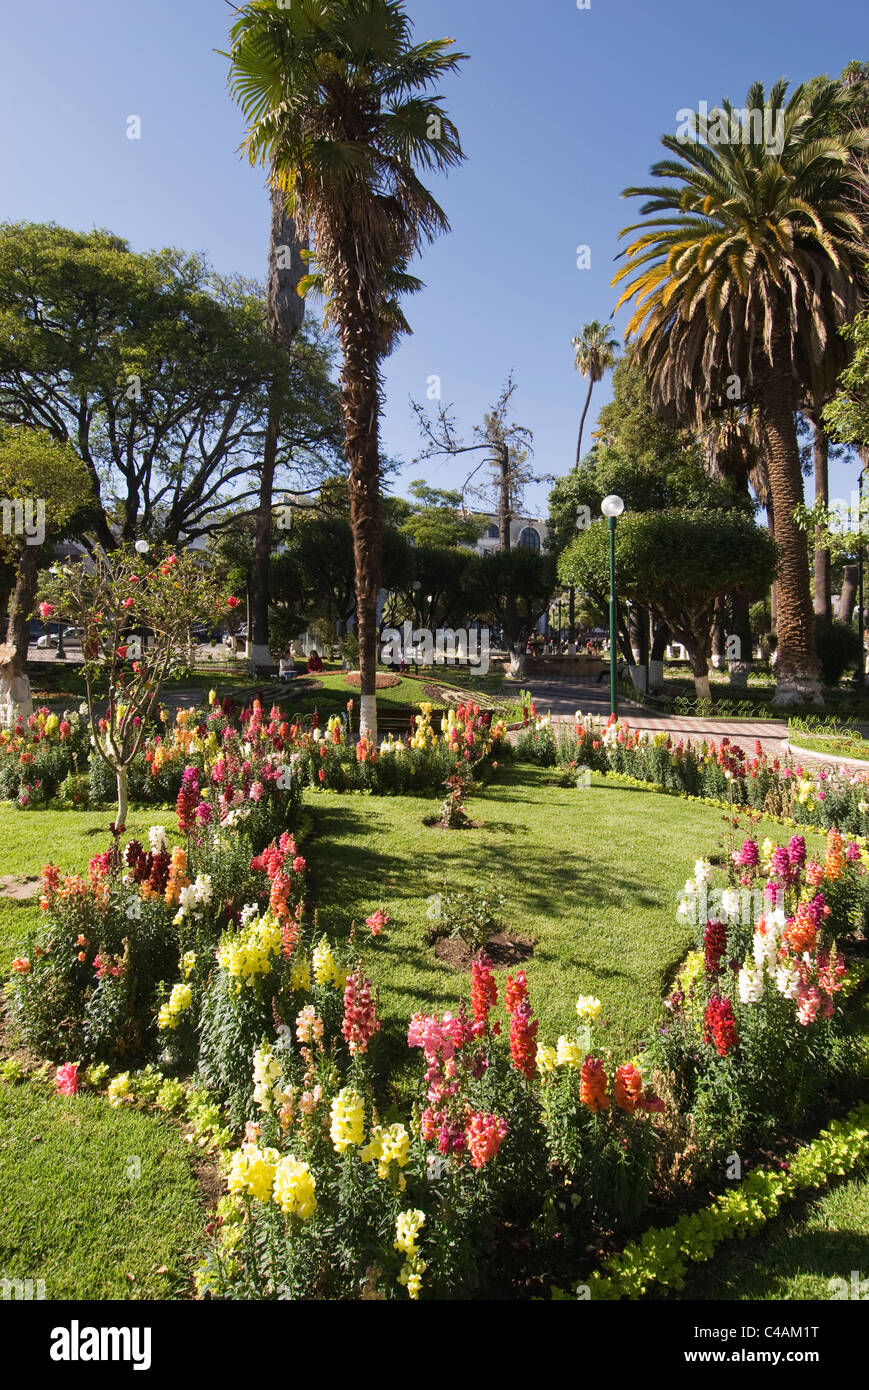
680 563
515 588
160 375
847 415
436 517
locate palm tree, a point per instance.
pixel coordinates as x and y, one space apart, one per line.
754 257
336 99
596 351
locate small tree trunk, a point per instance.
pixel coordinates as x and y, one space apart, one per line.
848 596
20 611
122 779
258 632
718 636
699 658
517 661
740 665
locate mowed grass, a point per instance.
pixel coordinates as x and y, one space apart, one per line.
594 875
100 1203
796 1258
31 839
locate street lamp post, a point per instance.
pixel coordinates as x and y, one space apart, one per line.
612 507
60 654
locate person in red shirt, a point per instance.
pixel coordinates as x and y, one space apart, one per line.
314 662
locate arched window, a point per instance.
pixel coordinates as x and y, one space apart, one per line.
529 539
493 533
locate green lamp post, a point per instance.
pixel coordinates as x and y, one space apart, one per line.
612 507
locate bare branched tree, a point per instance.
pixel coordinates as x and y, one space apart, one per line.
507 445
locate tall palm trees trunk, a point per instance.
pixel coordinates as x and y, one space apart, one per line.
820 452
797 667
360 406
286 312
582 420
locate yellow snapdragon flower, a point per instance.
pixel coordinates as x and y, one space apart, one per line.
568 1053
347 1120
294 1188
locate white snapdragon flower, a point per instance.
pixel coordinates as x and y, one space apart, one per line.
787 981
731 904
157 840
765 947
750 985
702 871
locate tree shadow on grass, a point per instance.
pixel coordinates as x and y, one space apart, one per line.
758 1265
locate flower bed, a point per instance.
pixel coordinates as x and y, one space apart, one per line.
39 755
242 755
821 797
205 961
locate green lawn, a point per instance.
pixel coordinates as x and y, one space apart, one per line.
798 1256
30 839
830 745
334 692
593 875
90 1195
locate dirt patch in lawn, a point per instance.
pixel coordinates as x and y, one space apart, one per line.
435 823
19 886
503 949
382 680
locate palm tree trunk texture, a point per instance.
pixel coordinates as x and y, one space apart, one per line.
773 591
820 452
582 420
360 406
797 668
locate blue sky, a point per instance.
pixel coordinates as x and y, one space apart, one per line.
558 108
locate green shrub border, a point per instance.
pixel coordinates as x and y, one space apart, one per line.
661 1257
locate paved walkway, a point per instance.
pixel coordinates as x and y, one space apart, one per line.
564 696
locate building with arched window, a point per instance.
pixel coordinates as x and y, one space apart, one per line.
526 533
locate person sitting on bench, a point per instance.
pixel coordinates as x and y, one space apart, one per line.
314 662
286 666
